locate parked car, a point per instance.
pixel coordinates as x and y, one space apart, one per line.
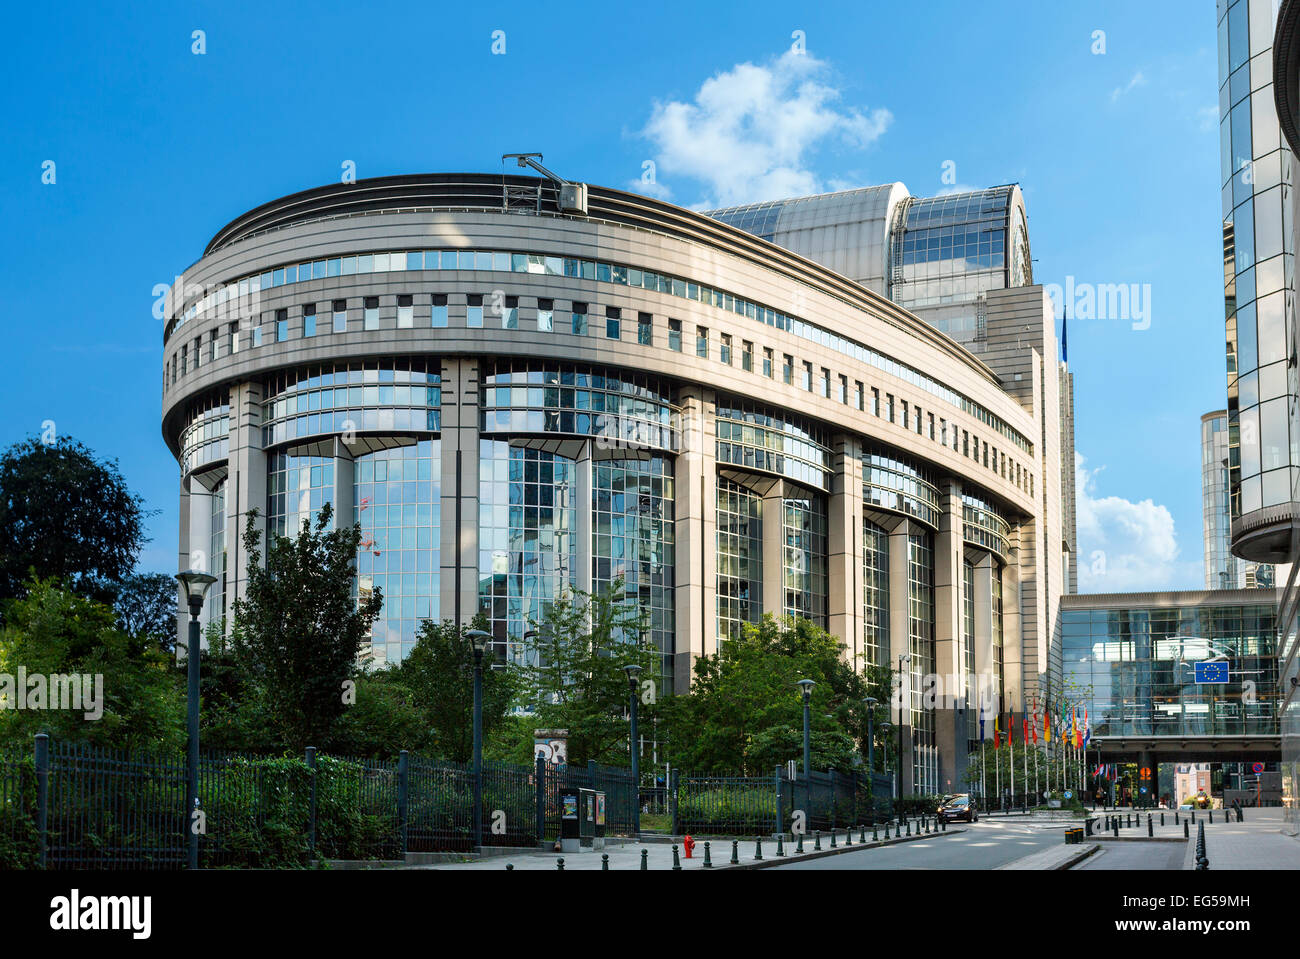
958 808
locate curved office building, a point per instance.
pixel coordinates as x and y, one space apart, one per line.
517 386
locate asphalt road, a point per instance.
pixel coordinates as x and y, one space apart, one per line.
984 845
1136 855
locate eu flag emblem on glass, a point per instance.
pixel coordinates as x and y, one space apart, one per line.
1211 672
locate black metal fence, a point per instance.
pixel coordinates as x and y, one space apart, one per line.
69 806
750 805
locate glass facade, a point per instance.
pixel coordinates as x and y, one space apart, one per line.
1135 667
393 395
1257 246
956 247
875 594
984 527
804 557
296 489
633 535
206 438
527 528
1222 569
216 603
754 437
740 557
891 482
397 501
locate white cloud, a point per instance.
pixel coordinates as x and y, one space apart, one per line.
1137 80
749 131
1126 546
1208 118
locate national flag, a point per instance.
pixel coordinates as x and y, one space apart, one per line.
1034 725
1011 727
997 732
1024 729
983 739
1047 726
1074 728
1087 729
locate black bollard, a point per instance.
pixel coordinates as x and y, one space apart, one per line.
817 841
645 859
1162 819
848 836
875 833
944 824
799 847
862 835
909 827
1186 833
780 844
559 864
1211 817
758 848
509 866
1150 826
832 838
735 852
1115 828
677 861
708 859
604 862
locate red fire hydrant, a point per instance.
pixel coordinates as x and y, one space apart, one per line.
688 844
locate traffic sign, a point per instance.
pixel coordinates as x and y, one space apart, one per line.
1068 794
1144 772
1142 790
1257 768
1211 671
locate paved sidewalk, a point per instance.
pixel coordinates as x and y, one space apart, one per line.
1055 857
659 855
1257 843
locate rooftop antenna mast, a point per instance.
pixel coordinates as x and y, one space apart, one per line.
572 196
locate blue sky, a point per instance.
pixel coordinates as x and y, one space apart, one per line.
156 147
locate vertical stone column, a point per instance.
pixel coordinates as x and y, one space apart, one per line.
948 576
458 531
1019 686
246 485
199 535
583 510
182 563
774 551
900 643
844 547
696 528
985 570
344 494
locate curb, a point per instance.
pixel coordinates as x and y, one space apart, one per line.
769 863
1076 859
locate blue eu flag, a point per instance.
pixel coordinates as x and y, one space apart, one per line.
1211 672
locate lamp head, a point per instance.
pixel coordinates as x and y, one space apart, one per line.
196 588
480 639
806 686
633 672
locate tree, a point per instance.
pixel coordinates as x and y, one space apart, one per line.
744 712
146 605
577 681
439 672
65 514
298 629
128 696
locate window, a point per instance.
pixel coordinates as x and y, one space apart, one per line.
309 320
644 329
675 335
875 401
340 310
702 342
545 315
844 390
787 369
405 312
930 421
281 325
943 432
438 316
824 383
767 362
257 336
212 345
232 335
509 312
185 359
579 319
474 310
808 376
747 356
906 421
889 407
861 395
371 315
724 350
613 322
965 443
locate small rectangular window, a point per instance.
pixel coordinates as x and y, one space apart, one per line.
309 320
746 356
579 319
613 322
702 342
212 344
371 315
824 383
405 312
232 335
185 359
281 325
889 407
875 401
438 314
474 310
844 390
675 335
860 395
787 370
930 421
906 420
965 443
340 311
768 362
644 329
807 376
257 336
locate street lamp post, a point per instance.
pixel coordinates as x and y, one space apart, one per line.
871 737
885 728
806 686
633 672
196 588
480 640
